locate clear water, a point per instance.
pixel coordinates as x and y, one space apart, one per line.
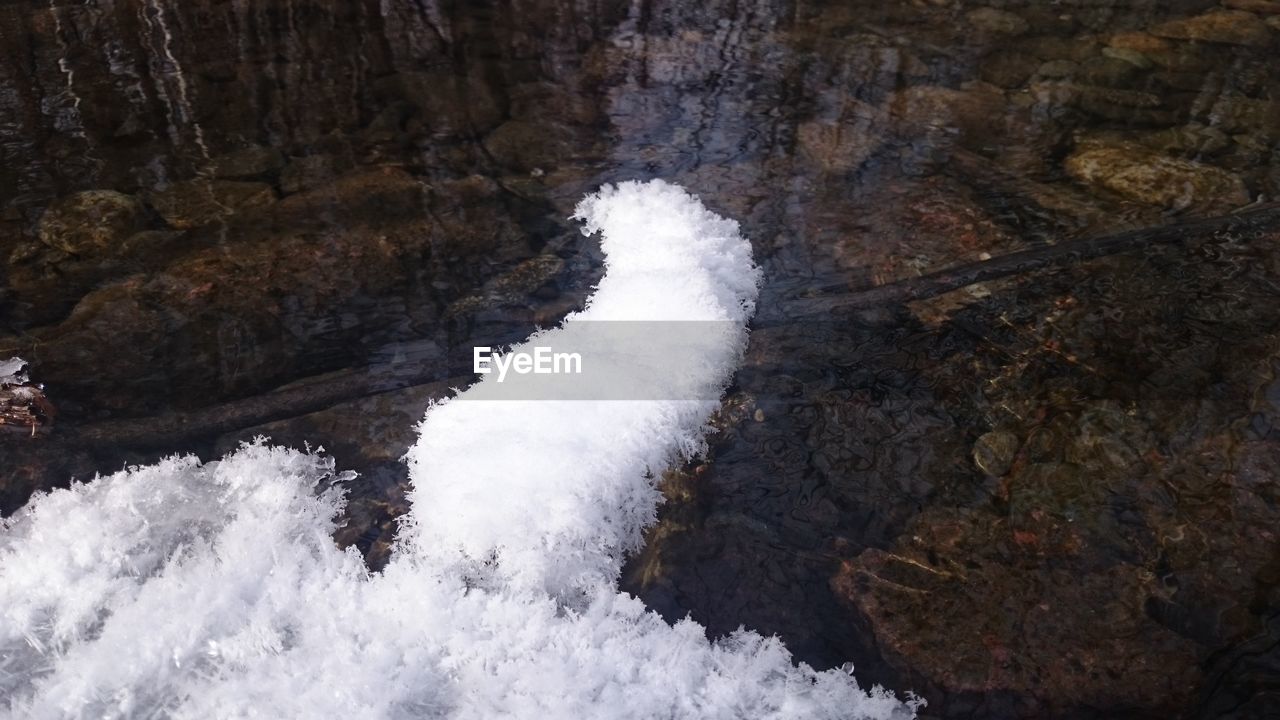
1063 481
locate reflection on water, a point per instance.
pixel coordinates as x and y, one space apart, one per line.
1049 494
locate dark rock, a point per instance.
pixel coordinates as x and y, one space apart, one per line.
1010 621
1260 7
1191 139
993 453
309 171
252 161
1008 69
996 22
529 146
200 202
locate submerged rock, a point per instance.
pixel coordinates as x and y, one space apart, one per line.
246 162
844 144
1232 27
199 202
90 222
1146 176
968 602
997 22
970 112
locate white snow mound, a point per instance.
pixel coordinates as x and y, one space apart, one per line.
189 590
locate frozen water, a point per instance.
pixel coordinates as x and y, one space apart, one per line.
193 591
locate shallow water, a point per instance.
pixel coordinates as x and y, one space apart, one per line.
1049 494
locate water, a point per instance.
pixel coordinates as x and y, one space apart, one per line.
1052 494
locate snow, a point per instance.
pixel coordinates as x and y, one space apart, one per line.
190 591
11 371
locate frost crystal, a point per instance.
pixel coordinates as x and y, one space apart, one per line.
194 591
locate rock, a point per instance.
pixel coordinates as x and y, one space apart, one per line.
1049 47
964 603
510 288
1189 139
246 162
1143 175
449 103
1132 57
1231 27
199 202
1109 71
1133 106
993 453
90 222
1236 113
149 242
843 145
996 22
1058 69
1139 42
1260 7
970 112
1008 69
309 171
528 146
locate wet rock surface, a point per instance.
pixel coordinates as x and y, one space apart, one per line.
1047 495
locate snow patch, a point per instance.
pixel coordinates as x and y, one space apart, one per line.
192 590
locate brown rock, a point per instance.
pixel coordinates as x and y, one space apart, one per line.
528 146
1145 176
1232 27
1139 42
246 162
1260 7
199 202
1190 139
309 171
996 22
843 145
963 604
971 111
90 222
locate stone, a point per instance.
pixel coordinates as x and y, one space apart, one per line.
970 112
1058 69
1189 139
1134 106
92 222
1049 47
309 171
451 104
964 602
1008 69
1146 176
199 202
247 162
996 22
842 145
1132 57
1231 27
1139 42
994 452
527 146
1260 7
1236 113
